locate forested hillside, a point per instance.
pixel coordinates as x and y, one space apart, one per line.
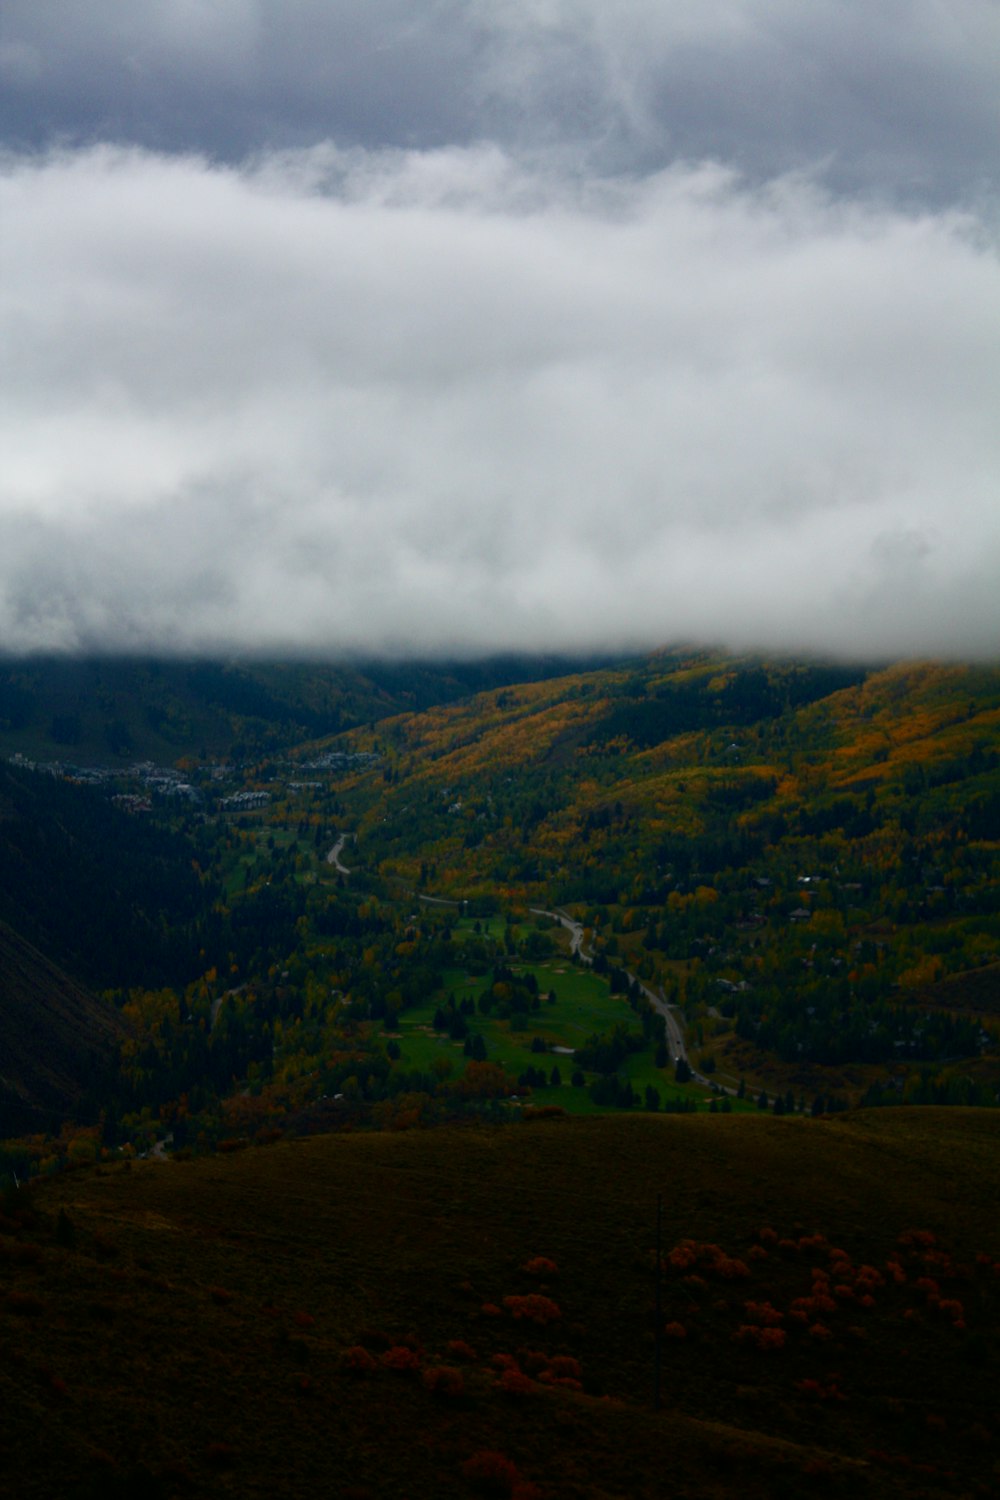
683 883
103 710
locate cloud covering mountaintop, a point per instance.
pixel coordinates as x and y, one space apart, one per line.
338 327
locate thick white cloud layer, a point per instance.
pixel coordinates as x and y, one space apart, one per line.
439 400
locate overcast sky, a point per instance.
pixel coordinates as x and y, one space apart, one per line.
367 326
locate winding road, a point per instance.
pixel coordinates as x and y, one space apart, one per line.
675 1035
333 858
675 1032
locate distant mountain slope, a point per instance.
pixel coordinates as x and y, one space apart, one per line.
111 898
116 710
55 1037
624 763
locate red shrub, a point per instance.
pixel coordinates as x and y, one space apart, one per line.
757 1252
820 1332
219 1295
540 1265
683 1256
444 1380
459 1349
810 1388
516 1383
220 1455
491 1472
761 1338
763 1313
564 1367
401 1360
534 1307
533 1361
921 1237
357 1360
303 1320
767 1236
490 1310
25 1303
675 1331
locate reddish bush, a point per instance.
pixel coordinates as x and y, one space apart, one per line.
219 1295
675 1331
767 1236
761 1338
357 1360
820 1332
535 1308
445 1381
491 1472
401 1360
683 1256
564 1367
26 1304
534 1361
220 1455
490 1310
920 1237
540 1265
504 1362
763 1313
515 1383
757 1252
459 1349
811 1388
303 1320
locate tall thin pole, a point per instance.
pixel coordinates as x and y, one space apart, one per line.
658 1336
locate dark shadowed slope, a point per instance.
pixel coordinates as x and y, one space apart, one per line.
54 1038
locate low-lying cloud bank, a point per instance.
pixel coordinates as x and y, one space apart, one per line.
441 401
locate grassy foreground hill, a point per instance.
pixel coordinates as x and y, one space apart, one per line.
473 1312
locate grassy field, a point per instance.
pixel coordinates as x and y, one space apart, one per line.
267 1323
584 1006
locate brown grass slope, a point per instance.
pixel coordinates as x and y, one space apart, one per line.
53 1035
269 1323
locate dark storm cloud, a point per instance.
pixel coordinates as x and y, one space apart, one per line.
901 97
499 323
